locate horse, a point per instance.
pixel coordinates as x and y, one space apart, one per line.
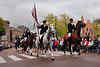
75 39
47 42
28 44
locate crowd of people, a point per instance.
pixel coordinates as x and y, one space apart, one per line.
87 45
90 45
57 44
6 45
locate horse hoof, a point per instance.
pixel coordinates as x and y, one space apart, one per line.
53 58
75 56
46 58
71 55
37 56
79 54
31 54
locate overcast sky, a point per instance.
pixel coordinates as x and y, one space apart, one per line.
18 12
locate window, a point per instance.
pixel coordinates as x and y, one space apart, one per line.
87 29
86 33
88 24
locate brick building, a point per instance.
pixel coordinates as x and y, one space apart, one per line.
14 32
88 29
24 28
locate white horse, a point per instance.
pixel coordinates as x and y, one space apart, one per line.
47 41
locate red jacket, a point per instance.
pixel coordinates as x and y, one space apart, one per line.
56 43
86 43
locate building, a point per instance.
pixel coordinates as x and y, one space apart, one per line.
88 30
14 32
24 28
7 36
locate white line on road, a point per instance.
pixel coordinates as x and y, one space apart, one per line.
14 58
27 56
2 60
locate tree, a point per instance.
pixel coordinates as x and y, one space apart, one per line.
59 24
96 27
2 28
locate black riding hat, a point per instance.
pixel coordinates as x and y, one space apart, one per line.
71 19
44 21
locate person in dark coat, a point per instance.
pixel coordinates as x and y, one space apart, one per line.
43 28
24 35
17 39
71 27
27 33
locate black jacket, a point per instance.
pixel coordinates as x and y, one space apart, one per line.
70 27
17 38
24 35
27 33
43 29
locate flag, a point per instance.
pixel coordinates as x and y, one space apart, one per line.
34 15
82 18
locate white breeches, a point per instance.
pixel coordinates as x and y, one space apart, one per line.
25 38
69 34
41 36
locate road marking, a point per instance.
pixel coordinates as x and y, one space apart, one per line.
2 60
27 56
56 54
14 58
36 54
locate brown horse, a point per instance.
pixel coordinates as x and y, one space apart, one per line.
28 43
75 39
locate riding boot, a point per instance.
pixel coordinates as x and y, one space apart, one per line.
41 41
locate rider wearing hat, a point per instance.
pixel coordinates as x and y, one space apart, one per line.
17 39
28 33
71 28
43 28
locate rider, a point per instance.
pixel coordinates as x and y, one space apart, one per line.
43 28
71 28
23 36
28 33
17 38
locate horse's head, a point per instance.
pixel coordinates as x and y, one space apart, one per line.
50 28
80 24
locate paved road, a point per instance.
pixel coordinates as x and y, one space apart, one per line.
11 58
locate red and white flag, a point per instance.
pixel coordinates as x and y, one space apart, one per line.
34 15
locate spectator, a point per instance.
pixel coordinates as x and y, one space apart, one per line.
53 43
85 44
95 44
82 42
61 44
56 44
90 45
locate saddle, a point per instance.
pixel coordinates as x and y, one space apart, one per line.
68 36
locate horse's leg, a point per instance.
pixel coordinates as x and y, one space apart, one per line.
31 50
51 52
45 51
79 47
37 50
75 49
64 44
70 49
49 49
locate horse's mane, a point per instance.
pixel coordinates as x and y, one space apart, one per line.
77 24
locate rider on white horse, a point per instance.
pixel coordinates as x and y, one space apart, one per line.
43 28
